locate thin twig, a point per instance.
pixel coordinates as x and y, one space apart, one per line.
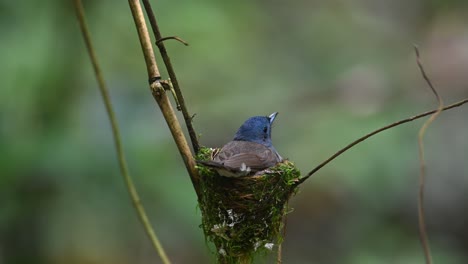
172 37
422 176
172 75
116 135
359 140
160 95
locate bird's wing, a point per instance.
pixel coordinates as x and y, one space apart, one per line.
210 163
253 155
255 161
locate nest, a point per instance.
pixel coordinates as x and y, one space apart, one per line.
244 216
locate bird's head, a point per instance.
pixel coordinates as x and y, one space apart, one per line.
257 129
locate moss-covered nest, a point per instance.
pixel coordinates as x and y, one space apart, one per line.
244 216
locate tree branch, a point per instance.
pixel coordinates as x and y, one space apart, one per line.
172 75
160 95
116 135
359 140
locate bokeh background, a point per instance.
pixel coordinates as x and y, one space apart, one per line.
334 70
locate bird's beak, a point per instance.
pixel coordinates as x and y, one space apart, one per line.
272 117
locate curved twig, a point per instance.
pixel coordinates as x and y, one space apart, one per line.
422 176
116 135
359 140
172 75
159 41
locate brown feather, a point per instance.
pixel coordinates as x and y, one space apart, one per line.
253 155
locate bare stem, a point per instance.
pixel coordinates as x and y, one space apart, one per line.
279 255
116 135
422 164
170 70
160 95
359 140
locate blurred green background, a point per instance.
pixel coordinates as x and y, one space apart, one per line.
334 70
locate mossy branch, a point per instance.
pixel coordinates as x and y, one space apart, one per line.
160 95
116 135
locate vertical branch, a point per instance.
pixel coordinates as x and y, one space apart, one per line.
279 255
422 176
145 42
167 61
116 134
160 95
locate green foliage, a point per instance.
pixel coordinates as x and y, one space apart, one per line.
334 73
243 216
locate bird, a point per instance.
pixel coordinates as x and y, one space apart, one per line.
249 152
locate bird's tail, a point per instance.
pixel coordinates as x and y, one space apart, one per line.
210 163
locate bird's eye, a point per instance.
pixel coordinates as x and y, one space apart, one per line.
265 129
